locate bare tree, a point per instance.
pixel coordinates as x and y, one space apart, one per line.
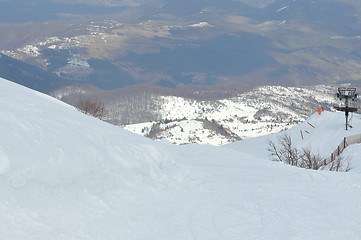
94 108
285 152
339 164
310 160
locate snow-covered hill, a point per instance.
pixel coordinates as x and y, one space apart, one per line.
65 175
263 110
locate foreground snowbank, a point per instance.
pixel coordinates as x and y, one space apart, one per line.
49 142
64 175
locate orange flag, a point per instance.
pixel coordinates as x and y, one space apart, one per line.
320 110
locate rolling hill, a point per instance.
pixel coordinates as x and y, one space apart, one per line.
65 175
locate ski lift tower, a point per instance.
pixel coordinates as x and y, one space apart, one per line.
346 93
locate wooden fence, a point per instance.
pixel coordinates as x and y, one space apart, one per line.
354 139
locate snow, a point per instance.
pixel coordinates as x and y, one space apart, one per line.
200 25
76 66
281 9
264 110
30 50
322 133
182 132
65 175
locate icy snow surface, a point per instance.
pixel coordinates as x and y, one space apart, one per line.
65 175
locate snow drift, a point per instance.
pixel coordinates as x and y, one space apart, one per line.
65 175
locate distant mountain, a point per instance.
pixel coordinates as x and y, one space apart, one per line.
28 75
186 43
338 17
189 8
262 111
16 11
205 115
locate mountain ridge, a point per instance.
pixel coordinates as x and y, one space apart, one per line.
28 75
160 112
291 43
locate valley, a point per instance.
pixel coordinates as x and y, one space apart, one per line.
287 43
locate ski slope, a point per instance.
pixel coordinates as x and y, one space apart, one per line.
65 175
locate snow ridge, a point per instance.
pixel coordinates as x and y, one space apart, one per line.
65 175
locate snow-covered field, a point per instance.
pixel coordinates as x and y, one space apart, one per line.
65 175
261 111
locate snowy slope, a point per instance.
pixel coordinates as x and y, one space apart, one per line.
64 175
264 110
320 133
